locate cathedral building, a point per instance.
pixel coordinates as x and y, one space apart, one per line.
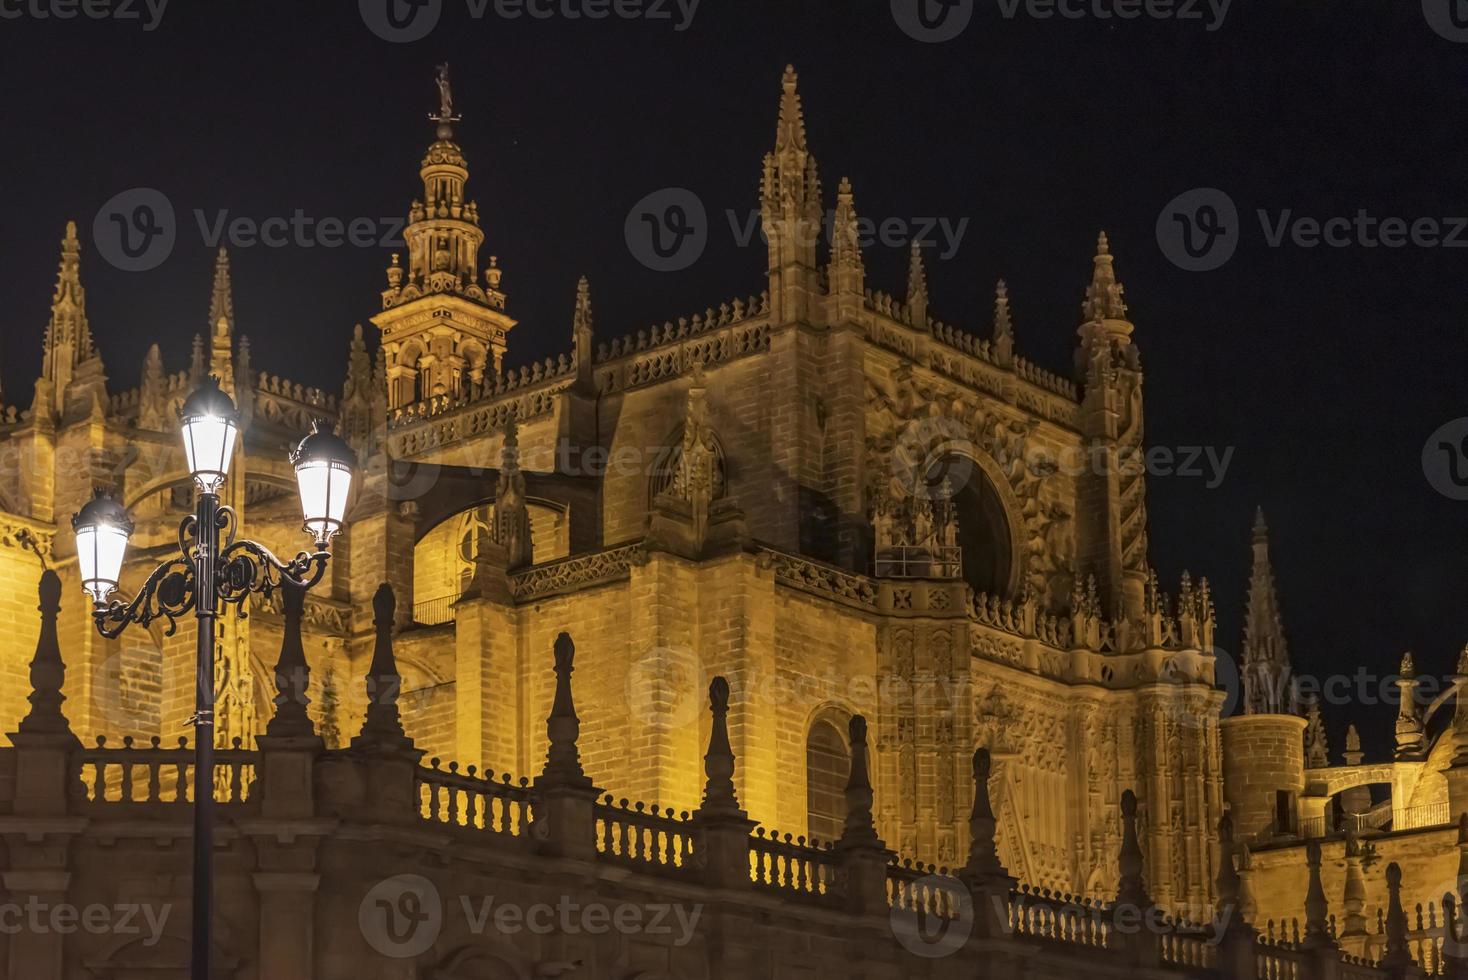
818 490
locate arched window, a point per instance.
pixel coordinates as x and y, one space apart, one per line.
983 535
827 767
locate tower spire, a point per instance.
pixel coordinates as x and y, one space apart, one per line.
221 324
1003 326
917 287
1104 295
441 286
790 209
69 353
1266 666
221 301
790 130
581 321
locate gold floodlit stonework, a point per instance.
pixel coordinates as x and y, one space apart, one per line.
866 522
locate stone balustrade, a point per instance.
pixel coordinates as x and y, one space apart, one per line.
365 861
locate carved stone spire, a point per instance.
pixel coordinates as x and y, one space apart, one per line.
383 726
1132 890
48 670
221 300
221 324
153 394
563 728
1266 668
1104 294
790 208
1113 491
70 359
198 363
582 336
847 272
1411 735
243 384
292 672
719 798
858 829
1317 751
511 526
917 288
358 395
1003 326
442 286
790 129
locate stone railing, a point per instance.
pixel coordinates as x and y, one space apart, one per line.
717 337
161 775
632 834
792 868
472 801
436 833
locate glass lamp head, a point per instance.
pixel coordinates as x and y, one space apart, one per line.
102 531
324 464
210 425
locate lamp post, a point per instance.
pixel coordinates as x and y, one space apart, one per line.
212 567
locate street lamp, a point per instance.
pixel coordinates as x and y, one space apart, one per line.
211 568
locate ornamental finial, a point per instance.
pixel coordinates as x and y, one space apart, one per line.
445 117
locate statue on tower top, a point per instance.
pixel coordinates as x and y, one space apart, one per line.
445 117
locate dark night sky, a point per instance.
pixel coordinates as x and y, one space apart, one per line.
1324 369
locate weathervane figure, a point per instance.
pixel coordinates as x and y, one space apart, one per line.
445 115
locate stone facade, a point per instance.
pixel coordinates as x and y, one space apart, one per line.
817 490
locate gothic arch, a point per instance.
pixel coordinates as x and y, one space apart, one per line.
669 457
827 768
990 516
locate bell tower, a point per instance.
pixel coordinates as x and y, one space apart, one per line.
443 327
